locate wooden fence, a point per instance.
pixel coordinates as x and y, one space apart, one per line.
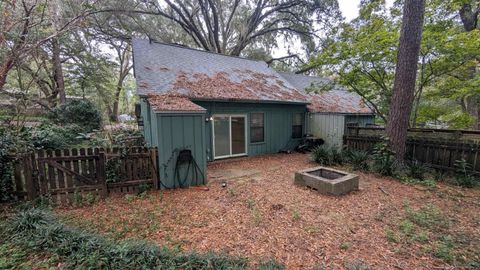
65 175
440 153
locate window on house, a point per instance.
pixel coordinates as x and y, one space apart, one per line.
257 127
297 128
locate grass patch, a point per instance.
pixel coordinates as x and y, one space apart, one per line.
429 227
443 249
38 231
296 215
427 216
271 265
391 236
345 246
13 257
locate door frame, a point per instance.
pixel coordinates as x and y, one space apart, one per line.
229 135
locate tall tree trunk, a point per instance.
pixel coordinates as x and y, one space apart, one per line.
405 76
124 68
116 102
469 16
4 70
58 71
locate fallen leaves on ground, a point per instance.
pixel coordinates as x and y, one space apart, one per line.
264 215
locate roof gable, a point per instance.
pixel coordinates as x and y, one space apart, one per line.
161 68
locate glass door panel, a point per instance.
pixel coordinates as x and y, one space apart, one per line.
221 133
238 135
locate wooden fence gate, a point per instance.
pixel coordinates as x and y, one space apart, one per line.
66 175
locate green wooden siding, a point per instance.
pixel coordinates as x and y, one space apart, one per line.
174 132
277 124
147 122
177 132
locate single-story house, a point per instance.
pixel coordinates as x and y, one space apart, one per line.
215 106
331 108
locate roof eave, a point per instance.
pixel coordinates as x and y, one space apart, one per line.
179 112
249 101
345 113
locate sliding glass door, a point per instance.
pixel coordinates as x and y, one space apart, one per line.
229 136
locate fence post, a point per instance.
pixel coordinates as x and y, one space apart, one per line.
154 170
101 173
29 182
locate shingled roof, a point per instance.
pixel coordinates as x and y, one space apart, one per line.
198 75
336 100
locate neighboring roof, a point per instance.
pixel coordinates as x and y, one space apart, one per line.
201 75
337 100
173 103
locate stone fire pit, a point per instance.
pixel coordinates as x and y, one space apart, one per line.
327 180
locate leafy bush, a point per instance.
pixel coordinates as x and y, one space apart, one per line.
47 136
80 112
327 155
463 176
321 155
127 137
416 170
37 230
120 137
359 160
6 168
383 159
11 142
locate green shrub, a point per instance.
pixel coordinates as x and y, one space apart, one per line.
359 160
80 112
39 231
383 159
416 169
11 142
463 175
321 155
6 167
337 156
48 136
327 155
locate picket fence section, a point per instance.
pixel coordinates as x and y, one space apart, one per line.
437 152
69 174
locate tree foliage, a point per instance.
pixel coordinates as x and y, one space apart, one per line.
361 55
226 26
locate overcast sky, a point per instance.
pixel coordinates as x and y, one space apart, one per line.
349 8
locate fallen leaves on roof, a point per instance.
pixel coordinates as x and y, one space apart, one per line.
173 102
243 85
337 101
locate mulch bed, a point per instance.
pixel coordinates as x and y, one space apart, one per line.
265 216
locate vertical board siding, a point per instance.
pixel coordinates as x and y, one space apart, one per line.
277 130
147 123
177 132
331 127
